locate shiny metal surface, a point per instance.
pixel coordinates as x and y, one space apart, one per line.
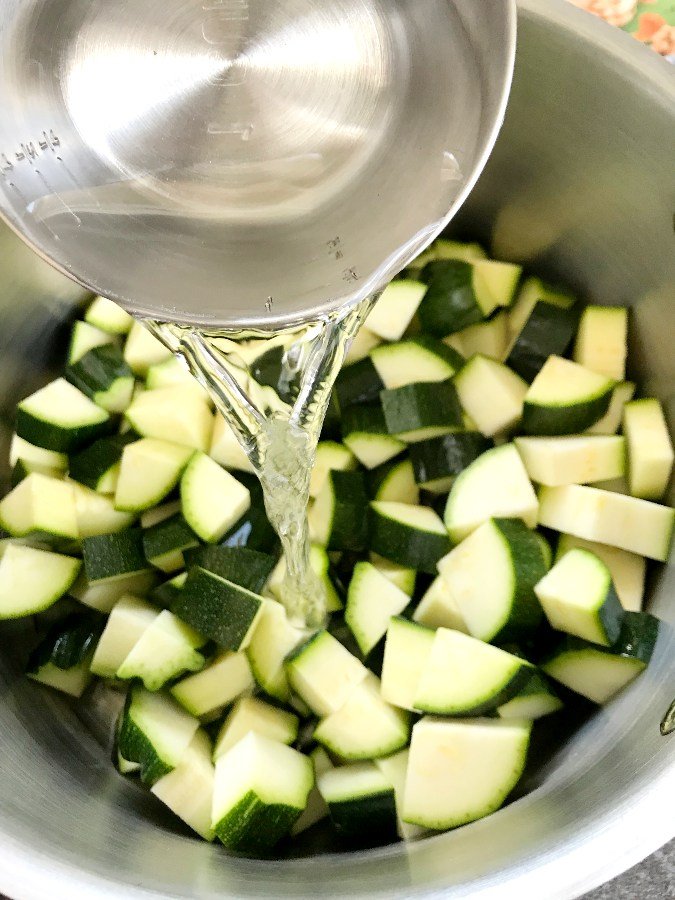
244 162
581 187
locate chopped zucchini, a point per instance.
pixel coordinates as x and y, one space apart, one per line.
172 414
394 311
602 341
650 449
357 384
316 808
253 715
155 733
371 602
103 375
578 459
212 499
165 542
533 701
627 569
532 291
248 568
417 359
320 564
108 316
420 411
611 421
629 523
579 598
330 456
225 679
222 611
549 331
403 577
109 557
273 639
338 519
41 507
406 653
128 620
143 350
365 727
395 770
411 536
439 609
59 417
494 485
489 338
97 514
462 771
364 432
437 462
84 338
73 681
261 788
491 394
188 790
461 293
174 373
491 576
599 673
62 658
565 398
98 466
324 673
32 580
394 482
361 802
362 345
149 470
103 595
466 677
225 449
166 649
36 456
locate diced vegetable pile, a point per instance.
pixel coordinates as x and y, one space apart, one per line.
481 418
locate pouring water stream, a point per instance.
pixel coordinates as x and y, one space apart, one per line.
281 441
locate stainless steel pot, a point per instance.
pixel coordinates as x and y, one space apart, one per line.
581 187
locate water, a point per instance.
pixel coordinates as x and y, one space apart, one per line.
274 392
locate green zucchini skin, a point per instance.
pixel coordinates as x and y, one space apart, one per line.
240 565
366 821
421 405
349 530
218 609
112 555
68 642
447 455
366 418
549 421
549 331
405 545
98 370
91 464
358 383
449 304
